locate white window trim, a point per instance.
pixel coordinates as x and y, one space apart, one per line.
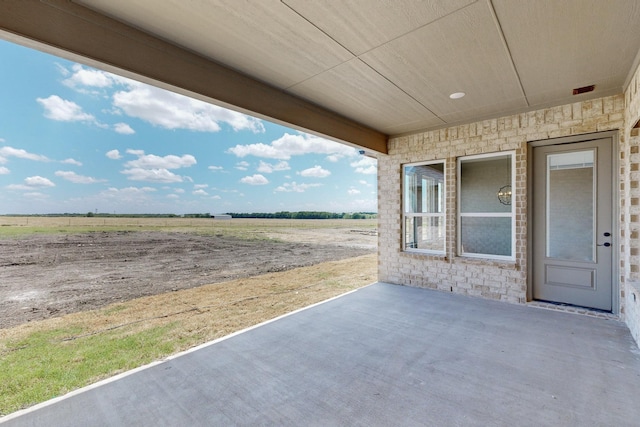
511 214
406 214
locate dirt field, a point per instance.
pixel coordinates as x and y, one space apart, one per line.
46 275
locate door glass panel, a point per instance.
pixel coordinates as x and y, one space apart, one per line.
570 206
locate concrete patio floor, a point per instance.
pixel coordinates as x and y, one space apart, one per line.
384 355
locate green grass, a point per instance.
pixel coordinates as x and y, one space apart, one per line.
44 365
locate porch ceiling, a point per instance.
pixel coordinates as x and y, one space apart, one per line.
373 67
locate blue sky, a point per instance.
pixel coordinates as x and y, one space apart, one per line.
76 139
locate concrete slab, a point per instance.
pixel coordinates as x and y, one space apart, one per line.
385 355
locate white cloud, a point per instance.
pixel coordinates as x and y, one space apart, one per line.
173 196
352 191
365 165
4 171
123 128
152 168
294 187
154 105
19 153
216 197
179 190
31 183
56 108
200 192
265 167
152 175
294 145
113 155
198 186
83 76
38 181
71 162
256 179
315 172
243 166
173 111
77 179
215 168
151 161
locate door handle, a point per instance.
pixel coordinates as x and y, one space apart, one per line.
605 244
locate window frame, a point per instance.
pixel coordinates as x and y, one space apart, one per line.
511 214
406 214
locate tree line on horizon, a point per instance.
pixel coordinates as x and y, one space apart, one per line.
306 215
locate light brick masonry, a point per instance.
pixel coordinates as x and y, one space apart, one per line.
630 209
507 280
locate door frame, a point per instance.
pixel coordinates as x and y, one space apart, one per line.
615 208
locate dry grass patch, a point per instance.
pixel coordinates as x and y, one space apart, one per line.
41 360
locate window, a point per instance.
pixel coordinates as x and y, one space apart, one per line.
424 220
486 223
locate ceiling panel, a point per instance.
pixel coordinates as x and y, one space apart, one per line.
392 65
561 45
463 52
264 39
365 96
361 25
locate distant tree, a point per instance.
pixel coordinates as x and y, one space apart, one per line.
90 214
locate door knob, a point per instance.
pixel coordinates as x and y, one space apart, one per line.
605 244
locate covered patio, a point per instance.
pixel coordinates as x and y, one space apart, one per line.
382 355
390 81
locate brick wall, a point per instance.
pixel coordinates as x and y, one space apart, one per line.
500 280
630 209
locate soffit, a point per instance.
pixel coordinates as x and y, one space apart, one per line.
561 45
392 65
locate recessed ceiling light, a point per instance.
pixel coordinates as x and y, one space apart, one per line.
457 95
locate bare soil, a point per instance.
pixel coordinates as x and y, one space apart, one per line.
49 275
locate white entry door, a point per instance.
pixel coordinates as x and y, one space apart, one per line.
573 223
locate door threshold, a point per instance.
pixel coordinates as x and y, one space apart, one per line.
568 308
